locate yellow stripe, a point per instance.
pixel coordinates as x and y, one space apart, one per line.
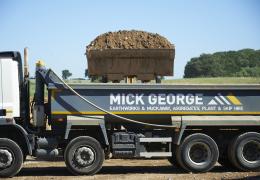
152 112
53 94
233 99
54 91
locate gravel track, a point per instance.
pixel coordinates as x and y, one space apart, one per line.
127 169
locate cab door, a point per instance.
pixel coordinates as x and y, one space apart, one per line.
9 80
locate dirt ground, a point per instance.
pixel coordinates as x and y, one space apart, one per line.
116 169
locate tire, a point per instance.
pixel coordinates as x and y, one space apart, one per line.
174 162
244 151
84 156
173 159
11 156
197 153
225 162
223 159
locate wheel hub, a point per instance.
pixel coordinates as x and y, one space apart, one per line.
251 152
199 153
84 156
6 158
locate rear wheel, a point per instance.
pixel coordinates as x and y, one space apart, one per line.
223 157
173 159
84 156
11 158
174 162
197 153
224 161
244 151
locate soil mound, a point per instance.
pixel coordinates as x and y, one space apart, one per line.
129 40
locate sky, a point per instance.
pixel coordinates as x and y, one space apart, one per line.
58 31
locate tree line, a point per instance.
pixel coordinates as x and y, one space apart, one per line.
242 63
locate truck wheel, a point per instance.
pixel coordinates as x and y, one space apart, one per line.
197 153
173 159
174 162
244 151
84 156
11 158
223 159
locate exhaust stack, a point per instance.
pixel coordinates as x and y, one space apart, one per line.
26 66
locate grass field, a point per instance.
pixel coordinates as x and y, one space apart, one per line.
226 80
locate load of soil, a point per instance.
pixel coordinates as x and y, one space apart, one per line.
129 40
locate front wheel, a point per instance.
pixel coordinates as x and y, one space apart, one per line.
84 156
11 158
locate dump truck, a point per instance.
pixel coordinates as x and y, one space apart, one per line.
194 126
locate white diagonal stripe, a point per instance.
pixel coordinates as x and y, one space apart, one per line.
219 100
212 102
223 98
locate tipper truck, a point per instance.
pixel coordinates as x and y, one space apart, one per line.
194 126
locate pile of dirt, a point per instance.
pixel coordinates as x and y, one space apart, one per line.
129 40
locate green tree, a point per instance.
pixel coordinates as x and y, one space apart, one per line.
242 63
66 74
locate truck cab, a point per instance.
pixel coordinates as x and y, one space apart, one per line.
14 140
